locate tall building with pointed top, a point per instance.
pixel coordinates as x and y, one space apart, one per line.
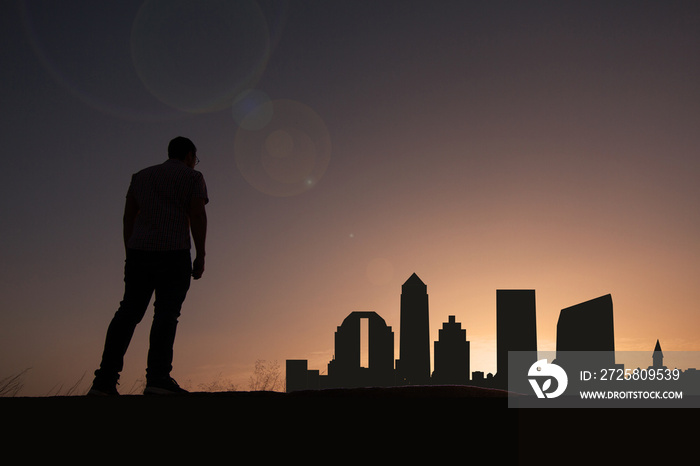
657 357
413 366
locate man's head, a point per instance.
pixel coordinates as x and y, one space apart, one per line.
183 149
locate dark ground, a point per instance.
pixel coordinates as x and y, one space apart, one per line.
388 425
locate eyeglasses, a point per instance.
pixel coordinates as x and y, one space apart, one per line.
196 160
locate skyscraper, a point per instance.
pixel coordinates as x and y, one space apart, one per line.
451 354
414 350
586 335
586 338
345 369
516 330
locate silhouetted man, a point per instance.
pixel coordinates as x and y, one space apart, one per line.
163 204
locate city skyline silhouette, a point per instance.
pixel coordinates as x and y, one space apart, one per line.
585 340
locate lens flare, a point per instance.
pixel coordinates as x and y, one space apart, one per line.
90 56
287 156
198 56
251 109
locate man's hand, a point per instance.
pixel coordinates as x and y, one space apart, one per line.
198 267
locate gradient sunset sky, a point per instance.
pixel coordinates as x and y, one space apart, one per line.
483 145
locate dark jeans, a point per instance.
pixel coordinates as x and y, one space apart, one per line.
145 272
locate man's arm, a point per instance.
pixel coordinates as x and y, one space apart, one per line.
198 225
131 210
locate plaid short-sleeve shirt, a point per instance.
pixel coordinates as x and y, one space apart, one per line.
163 194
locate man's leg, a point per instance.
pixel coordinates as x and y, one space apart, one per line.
171 290
138 290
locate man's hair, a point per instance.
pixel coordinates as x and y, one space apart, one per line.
180 147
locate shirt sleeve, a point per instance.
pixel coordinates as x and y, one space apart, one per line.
200 188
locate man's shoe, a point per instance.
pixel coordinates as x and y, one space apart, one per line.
165 386
100 388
